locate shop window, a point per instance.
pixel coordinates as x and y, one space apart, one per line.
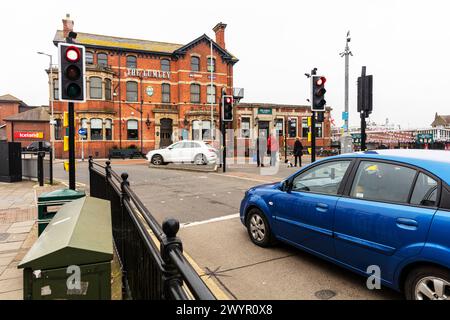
211 65
96 129
58 129
201 130
195 63
211 94
108 129
305 128
195 93
245 127
131 62
165 87
165 65
319 130
95 88
132 91
55 89
293 128
279 126
89 57
132 130
107 89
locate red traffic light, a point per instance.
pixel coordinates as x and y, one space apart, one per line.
321 81
228 100
73 54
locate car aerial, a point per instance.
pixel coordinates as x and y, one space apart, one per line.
34 146
186 151
383 209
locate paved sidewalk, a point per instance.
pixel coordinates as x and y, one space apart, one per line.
18 232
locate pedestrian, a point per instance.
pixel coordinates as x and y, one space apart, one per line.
298 151
272 147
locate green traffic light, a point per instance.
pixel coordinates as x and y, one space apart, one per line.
73 90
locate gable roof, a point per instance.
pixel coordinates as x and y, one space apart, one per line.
137 45
441 120
39 114
10 98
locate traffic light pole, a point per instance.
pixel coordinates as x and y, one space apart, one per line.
363 130
71 146
313 127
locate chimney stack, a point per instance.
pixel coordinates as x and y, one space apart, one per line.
67 25
219 29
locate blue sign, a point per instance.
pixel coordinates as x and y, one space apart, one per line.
344 116
82 131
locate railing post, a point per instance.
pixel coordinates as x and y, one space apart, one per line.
91 161
123 196
108 170
171 276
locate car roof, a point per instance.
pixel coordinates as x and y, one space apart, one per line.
436 162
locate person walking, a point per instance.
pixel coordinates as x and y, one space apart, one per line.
298 151
272 147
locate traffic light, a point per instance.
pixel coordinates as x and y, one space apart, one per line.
318 101
227 108
72 82
365 88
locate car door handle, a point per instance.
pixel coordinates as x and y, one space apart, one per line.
405 223
322 207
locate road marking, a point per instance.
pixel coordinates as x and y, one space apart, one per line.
244 178
223 218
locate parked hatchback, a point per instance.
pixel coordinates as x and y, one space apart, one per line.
386 210
186 151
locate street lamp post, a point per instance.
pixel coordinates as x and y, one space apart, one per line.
52 123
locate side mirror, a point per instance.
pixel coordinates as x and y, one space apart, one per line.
170 148
286 185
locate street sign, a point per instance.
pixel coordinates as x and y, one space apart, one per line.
82 131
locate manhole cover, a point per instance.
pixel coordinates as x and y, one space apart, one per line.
325 294
4 236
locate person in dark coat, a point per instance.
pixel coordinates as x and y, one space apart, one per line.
261 148
298 151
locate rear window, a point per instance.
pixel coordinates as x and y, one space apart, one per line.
425 191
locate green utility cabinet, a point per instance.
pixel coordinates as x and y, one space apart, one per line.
49 202
72 257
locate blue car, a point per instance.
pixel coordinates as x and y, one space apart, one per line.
385 210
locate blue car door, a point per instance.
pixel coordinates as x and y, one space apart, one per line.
386 217
304 214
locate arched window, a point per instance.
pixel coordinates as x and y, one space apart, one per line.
195 93
211 65
195 63
165 65
102 59
108 129
95 88
132 130
165 87
131 62
211 94
107 89
132 91
89 57
96 129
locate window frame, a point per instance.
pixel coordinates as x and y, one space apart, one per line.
92 54
108 93
162 69
126 91
110 136
135 61
90 88
209 94
98 59
198 60
208 64
342 185
55 87
199 92
101 130
164 94
352 175
137 130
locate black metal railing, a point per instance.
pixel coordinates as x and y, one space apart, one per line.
151 255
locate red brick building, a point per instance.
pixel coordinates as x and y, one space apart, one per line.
143 93
9 105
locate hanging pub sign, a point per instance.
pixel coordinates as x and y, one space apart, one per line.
132 72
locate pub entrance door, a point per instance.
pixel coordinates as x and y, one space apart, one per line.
166 133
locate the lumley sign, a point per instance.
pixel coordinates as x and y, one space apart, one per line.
131 72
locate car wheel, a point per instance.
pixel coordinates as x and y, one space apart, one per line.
157 160
428 283
200 159
258 229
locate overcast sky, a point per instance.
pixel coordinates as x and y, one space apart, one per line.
404 44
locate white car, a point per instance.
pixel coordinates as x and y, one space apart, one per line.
186 151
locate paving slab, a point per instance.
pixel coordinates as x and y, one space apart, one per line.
10 246
5 261
12 295
4 227
11 285
25 229
23 224
11 273
16 237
